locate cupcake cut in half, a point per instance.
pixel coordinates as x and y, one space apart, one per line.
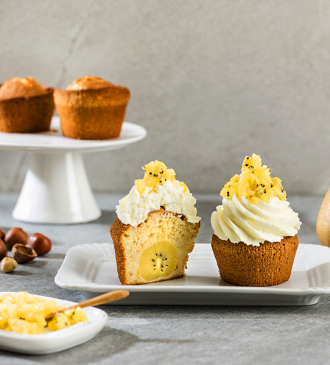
156 228
92 108
25 106
254 229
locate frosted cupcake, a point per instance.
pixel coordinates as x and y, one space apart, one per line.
254 230
156 228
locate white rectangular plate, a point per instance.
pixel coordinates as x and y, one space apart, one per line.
91 268
50 342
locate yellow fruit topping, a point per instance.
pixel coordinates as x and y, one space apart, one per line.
67 319
254 183
25 313
158 260
156 173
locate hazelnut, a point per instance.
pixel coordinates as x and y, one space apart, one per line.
3 249
2 234
15 235
23 254
8 264
40 243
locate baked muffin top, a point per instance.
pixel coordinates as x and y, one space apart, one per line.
21 88
89 82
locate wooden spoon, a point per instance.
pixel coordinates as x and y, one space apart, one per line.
101 299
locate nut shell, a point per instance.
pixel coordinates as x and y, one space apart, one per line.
23 254
8 265
2 233
15 235
3 250
40 243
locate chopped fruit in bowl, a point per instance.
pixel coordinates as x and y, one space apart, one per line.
25 313
67 319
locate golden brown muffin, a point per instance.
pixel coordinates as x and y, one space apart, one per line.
92 108
131 243
25 106
89 82
264 265
20 88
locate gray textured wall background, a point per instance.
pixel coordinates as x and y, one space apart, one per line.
211 80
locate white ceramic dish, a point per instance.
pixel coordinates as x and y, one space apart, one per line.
91 268
50 342
54 142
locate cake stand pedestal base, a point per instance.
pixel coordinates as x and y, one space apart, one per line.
56 190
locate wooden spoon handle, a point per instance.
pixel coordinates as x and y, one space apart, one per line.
104 298
101 299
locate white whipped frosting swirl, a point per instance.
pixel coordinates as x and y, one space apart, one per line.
134 208
240 221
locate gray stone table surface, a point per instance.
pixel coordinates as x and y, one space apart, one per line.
174 334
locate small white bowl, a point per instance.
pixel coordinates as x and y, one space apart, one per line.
50 342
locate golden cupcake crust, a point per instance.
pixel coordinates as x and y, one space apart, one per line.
247 265
21 88
130 241
89 82
29 114
92 113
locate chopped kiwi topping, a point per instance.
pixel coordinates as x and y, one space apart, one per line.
156 172
254 183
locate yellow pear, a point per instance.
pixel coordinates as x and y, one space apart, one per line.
323 221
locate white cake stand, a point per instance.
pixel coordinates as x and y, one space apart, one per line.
56 188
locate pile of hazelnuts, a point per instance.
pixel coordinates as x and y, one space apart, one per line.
23 249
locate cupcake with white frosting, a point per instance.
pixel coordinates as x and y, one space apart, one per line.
254 229
156 228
